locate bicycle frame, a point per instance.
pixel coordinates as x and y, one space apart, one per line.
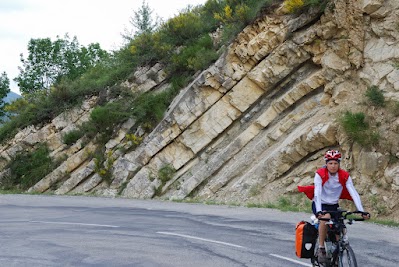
339 252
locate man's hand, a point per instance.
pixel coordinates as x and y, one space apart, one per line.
366 215
319 214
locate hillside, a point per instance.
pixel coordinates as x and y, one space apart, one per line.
255 124
11 96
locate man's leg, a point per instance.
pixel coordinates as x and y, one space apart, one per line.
323 229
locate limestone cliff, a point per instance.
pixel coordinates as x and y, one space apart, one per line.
256 123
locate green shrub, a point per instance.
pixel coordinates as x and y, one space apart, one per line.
357 128
181 42
194 57
375 96
183 28
8 129
72 136
165 173
105 117
296 6
354 122
147 49
235 15
136 140
150 107
27 168
103 165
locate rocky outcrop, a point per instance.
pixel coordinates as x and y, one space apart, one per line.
255 124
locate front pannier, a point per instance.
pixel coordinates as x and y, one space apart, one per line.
305 239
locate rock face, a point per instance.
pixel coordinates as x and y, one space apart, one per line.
255 124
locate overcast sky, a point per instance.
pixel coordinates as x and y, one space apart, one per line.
91 21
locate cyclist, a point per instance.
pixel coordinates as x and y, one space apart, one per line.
331 183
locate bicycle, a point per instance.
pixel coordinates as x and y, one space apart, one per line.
338 250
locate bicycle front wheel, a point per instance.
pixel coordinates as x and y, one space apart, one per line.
347 257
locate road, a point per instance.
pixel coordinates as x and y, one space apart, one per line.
88 231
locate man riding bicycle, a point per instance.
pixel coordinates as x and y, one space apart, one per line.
331 183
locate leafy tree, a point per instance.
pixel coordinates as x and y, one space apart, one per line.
142 22
48 62
4 90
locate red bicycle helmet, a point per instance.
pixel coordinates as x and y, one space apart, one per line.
332 155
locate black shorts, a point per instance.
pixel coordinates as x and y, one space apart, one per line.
325 207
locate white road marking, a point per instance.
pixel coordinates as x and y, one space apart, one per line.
291 260
83 224
202 239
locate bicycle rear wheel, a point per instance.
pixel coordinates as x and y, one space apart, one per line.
347 258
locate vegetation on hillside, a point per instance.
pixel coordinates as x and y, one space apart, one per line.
374 126
4 90
27 168
57 75
297 6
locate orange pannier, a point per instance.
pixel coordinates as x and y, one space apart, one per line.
305 239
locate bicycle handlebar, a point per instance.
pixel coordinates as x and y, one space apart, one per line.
344 214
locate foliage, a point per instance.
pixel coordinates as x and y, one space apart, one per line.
234 15
4 90
27 168
103 120
390 223
294 6
33 108
49 61
149 108
16 106
234 11
108 116
136 140
103 166
146 49
285 203
71 137
165 173
183 28
375 96
182 44
357 128
195 57
142 22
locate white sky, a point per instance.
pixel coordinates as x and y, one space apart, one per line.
89 20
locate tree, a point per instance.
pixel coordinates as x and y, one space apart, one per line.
4 90
48 62
142 22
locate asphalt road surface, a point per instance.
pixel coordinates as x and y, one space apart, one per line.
87 231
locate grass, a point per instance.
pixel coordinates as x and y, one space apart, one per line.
297 203
165 174
357 128
28 167
390 223
11 191
71 137
375 96
292 203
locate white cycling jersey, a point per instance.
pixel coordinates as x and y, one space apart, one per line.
330 192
